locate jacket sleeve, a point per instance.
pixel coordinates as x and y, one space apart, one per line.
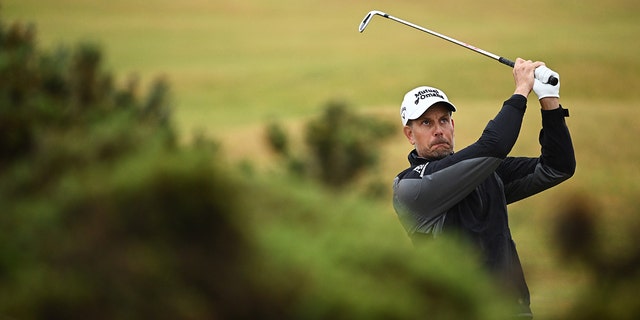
524 177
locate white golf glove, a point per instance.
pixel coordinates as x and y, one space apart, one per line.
543 89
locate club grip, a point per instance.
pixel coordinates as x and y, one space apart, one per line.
552 80
506 61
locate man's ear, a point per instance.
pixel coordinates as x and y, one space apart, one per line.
409 134
453 125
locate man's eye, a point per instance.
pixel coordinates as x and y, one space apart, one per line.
425 122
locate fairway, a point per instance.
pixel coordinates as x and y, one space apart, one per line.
235 66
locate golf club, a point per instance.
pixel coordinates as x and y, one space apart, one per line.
551 80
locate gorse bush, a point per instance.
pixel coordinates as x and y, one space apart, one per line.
612 277
102 213
44 95
341 145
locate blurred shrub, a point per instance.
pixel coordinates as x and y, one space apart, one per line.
102 214
337 257
613 276
45 95
147 237
278 139
342 145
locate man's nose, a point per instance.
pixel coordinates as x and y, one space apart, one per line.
438 131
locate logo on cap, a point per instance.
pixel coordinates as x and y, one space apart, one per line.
427 93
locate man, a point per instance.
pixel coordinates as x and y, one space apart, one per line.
467 192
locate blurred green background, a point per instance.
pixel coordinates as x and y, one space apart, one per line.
235 66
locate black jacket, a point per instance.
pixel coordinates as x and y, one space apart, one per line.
468 191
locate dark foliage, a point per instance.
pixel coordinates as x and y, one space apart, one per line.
342 145
613 276
103 215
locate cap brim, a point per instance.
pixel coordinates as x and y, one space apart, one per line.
419 112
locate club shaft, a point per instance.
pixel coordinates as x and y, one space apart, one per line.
551 80
452 40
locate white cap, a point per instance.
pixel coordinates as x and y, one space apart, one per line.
417 101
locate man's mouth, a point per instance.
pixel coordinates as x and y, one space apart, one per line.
438 144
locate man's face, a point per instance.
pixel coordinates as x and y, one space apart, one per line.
432 133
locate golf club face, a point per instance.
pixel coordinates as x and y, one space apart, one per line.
368 18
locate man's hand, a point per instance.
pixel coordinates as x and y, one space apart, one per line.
523 75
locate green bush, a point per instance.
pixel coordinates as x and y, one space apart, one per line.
342 145
337 257
612 277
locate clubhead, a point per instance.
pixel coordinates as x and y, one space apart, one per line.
368 17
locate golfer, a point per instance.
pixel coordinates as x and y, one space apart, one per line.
466 192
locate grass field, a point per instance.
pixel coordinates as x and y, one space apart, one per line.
234 66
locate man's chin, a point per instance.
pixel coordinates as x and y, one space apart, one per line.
440 154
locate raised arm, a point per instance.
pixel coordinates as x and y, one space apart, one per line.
525 177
